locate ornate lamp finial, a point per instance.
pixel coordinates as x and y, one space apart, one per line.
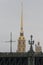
31 42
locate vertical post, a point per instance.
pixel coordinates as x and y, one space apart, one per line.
31 58
28 60
11 42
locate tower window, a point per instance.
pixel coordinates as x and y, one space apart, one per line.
23 49
23 42
21 34
23 37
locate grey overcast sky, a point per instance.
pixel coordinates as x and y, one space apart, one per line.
10 12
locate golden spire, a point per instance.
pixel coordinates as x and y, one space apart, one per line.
21 16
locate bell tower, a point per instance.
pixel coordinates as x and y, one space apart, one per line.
21 39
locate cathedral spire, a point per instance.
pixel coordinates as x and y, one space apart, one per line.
21 40
21 17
